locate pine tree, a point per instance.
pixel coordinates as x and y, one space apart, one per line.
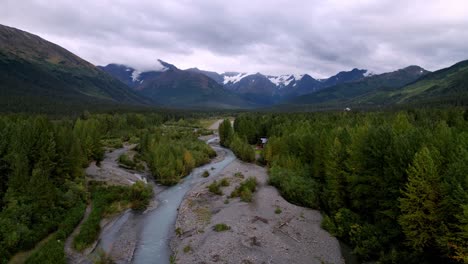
225 133
420 199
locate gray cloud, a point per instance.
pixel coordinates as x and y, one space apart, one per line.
272 37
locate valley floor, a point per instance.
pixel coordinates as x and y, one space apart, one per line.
257 233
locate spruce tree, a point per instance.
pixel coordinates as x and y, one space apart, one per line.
420 199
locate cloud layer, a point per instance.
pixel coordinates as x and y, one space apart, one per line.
272 36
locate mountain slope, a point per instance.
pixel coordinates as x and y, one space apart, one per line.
213 75
445 86
171 87
344 94
38 75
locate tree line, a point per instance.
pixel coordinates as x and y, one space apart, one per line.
393 185
238 144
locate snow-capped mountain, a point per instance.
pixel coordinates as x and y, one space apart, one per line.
269 89
167 85
133 77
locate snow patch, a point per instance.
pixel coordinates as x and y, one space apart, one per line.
368 73
159 67
136 75
284 80
234 78
298 76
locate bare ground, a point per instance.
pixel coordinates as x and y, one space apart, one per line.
257 234
110 172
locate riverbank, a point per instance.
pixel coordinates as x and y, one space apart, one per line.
267 230
136 237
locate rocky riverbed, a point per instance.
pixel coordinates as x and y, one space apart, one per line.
267 230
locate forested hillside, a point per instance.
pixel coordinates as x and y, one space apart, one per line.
37 76
43 188
392 185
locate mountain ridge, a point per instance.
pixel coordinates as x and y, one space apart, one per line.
38 74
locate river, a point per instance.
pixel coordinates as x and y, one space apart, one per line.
156 226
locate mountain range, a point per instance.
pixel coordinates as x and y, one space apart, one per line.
268 89
37 75
166 85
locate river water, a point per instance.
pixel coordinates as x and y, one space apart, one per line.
158 224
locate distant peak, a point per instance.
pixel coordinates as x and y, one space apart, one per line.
167 65
415 69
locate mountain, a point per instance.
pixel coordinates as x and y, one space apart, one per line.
169 86
344 76
269 89
351 93
447 86
132 77
213 75
37 75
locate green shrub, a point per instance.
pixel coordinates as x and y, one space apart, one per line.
126 162
295 186
245 189
221 227
239 175
242 149
246 195
140 195
187 248
278 210
214 188
224 182
205 174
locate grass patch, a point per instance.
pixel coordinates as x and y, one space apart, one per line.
224 182
203 214
205 174
239 175
221 227
245 190
214 188
179 231
187 249
226 201
278 210
172 259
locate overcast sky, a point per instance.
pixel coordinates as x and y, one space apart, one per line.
273 37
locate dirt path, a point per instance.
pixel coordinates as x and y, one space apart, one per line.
72 255
257 233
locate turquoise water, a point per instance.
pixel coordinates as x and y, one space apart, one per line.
158 224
